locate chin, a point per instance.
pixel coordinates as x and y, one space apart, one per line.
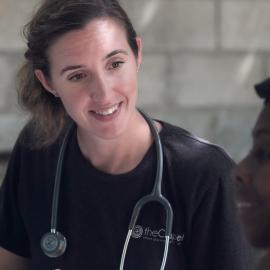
258 236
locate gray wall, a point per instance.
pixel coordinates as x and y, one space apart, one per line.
201 59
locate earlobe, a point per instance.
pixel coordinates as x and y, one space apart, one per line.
43 80
139 57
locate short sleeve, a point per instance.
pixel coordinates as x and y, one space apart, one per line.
13 235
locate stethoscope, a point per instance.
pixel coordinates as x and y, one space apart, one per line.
54 243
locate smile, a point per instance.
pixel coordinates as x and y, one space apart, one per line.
245 205
108 111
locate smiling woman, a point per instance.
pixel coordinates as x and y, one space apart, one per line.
94 73
253 180
88 157
73 57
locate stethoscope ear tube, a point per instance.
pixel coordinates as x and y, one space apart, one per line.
136 212
155 196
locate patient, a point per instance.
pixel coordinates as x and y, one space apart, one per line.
252 176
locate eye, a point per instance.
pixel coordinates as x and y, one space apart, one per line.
262 155
77 77
116 64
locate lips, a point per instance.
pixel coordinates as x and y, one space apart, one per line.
246 200
248 203
245 204
246 197
248 210
107 111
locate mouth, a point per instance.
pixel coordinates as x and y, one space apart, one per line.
242 205
246 199
107 111
248 211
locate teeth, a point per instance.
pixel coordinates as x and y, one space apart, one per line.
108 111
244 204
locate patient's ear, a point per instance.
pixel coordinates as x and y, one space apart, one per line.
44 81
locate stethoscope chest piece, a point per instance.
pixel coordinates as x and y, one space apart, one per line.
53 244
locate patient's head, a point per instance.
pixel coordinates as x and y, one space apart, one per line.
252 175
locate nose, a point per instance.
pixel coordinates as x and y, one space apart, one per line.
241 172
100 89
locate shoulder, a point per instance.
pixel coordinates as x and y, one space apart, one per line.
196 168
29 137
194 157
27 150
27 159
184 143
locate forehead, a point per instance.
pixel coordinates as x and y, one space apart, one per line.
98 34
262 126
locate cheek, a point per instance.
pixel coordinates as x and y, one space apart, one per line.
130 82
72 100
262 184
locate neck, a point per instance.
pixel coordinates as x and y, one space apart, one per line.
121 154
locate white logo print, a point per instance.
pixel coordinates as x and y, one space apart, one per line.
137 232
156 235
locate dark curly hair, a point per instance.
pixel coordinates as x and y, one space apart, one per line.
263 90
53 19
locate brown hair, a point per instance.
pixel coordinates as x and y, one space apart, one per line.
53 19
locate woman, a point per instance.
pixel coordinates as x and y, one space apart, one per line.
252 176
81 66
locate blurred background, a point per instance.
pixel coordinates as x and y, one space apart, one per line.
201 59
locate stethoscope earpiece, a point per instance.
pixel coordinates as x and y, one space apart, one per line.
53 244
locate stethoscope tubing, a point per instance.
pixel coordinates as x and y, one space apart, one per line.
58 177
154 196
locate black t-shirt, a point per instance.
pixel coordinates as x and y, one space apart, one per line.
95 208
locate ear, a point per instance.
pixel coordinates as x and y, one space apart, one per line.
44 81
139 57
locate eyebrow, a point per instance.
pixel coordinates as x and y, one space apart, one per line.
260 132
115 52
70 68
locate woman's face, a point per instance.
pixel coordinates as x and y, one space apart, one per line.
253 184
94 72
